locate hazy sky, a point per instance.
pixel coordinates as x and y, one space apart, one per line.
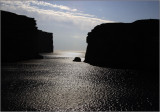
70 21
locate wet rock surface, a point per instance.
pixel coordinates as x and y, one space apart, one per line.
61 84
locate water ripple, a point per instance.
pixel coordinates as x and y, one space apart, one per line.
63 85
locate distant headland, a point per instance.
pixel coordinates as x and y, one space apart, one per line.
124 45
21 39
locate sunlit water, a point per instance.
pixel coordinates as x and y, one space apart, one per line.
57 83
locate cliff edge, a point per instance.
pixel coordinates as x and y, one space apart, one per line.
124 45
20 38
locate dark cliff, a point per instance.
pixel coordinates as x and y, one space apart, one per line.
20 38
45 42
124 45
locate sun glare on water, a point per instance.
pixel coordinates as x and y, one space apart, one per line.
72 54
64 54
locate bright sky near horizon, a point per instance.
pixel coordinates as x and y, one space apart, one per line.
70 21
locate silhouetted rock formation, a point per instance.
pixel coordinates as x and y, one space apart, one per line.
124 45
77 59
45 41
21 39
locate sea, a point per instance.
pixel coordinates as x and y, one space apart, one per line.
57 83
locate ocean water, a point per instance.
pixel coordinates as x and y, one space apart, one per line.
56 83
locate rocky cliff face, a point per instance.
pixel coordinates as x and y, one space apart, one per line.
124 45
45 42
21 39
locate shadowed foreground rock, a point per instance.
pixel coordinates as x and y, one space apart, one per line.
77 59
21 39
124 45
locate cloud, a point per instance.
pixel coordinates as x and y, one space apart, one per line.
64 25
42 3
79 19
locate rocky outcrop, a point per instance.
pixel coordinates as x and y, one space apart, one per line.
77 59
124 45
45 42
21 39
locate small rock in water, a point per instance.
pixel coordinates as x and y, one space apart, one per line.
77 59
